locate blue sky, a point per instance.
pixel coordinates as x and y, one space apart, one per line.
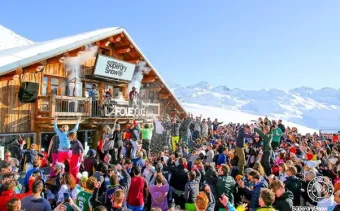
250 44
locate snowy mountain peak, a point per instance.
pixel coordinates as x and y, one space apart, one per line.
9 39
201 85
220 89
314 108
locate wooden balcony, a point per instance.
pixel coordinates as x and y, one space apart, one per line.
68 109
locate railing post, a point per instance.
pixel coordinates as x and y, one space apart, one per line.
52 105
90 107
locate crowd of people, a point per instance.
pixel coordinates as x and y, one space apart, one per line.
192 164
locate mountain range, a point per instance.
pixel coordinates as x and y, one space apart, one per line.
313 108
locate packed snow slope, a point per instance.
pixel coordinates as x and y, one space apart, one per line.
317 109
9 39
227 116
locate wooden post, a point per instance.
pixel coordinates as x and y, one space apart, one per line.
90 107
125 92
52 106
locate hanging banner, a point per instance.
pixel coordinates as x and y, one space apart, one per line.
113 68
127 111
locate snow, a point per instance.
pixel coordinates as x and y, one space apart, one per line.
10 39
227 116
312 108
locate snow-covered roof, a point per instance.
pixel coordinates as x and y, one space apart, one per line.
13 58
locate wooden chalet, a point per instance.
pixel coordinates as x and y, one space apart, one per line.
45 63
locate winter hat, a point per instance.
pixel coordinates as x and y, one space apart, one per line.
159 167
248 170
309 156
83 176
60 166
239 177
282 150
91 153
312 164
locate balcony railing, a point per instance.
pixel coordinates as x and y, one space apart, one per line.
68 107
63 106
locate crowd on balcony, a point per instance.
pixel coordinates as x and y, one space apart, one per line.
190 164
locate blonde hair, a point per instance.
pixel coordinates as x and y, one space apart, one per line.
106 127
65 127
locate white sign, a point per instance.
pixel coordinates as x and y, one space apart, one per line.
124 111
113 68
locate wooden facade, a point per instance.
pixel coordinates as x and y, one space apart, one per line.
17 117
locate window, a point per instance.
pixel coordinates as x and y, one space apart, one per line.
44 87
63 86
104 51
54 86
116 90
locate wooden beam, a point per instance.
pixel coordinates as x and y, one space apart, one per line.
115 39
8 77
149 79
123 50
134 61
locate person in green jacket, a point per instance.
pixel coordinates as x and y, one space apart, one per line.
267 137
146 136
276 134
225 184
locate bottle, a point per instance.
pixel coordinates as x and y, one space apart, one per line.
173 205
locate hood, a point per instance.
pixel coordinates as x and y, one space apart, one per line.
287 195
292 178
7 193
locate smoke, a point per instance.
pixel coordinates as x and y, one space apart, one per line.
137 77
73 69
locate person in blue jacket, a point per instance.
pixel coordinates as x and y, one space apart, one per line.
222 158
253 195
64 150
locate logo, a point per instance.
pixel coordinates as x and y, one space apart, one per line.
115 68
320 188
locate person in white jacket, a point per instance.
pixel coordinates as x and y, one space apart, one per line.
205 128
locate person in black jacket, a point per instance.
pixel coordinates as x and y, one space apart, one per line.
134 138
293 184
179 177
239 151
281 126
118 144
284 198
175 125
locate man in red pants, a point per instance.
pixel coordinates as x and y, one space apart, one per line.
77 154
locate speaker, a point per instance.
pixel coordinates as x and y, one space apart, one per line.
28 92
